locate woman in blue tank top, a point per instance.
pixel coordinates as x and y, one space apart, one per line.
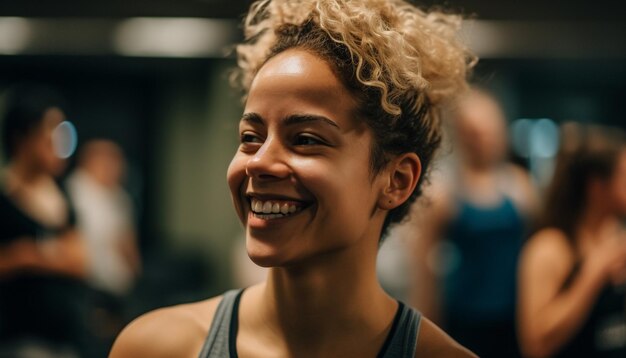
475 228
572 293
341 119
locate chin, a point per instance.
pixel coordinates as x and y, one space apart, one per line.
264 261
264 254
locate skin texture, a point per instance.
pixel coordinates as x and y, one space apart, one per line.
323 256
548 315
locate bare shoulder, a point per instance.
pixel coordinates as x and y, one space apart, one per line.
177 331
521 189
548 247
434 342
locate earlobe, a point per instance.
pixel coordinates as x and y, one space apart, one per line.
403 173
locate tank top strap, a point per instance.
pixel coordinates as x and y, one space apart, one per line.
217 344
402 339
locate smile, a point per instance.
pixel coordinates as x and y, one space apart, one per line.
273 209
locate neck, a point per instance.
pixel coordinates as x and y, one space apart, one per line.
478 168
478 165
482 181
314 304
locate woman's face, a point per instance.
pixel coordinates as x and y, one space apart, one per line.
300 180
481 130
39 144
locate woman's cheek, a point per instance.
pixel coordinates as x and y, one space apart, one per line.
236 177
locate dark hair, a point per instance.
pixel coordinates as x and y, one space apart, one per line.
25 109
586 153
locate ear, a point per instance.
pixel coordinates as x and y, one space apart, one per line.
402 175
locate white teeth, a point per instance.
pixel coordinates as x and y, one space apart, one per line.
271 210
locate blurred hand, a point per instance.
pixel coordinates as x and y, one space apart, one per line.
607 259
618 270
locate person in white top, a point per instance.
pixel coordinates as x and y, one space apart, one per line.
105 217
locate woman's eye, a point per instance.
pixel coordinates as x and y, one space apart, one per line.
250 138
307 140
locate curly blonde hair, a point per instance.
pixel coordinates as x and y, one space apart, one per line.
402 65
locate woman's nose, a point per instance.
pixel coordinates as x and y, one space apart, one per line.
269 162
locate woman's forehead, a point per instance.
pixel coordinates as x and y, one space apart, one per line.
301 81
307 71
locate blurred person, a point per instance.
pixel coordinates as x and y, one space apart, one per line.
42 258
572 293
105 220
471 234
340 122
105 216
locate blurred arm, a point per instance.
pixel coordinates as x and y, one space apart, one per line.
65 255
18 254
548 316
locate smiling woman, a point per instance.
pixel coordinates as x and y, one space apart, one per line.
341 121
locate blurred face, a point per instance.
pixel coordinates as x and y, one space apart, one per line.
112 168
300 180
39 147
481 130
618 185
105 162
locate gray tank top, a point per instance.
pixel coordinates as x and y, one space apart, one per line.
221 340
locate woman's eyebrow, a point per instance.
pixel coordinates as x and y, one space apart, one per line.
252 117
303 118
